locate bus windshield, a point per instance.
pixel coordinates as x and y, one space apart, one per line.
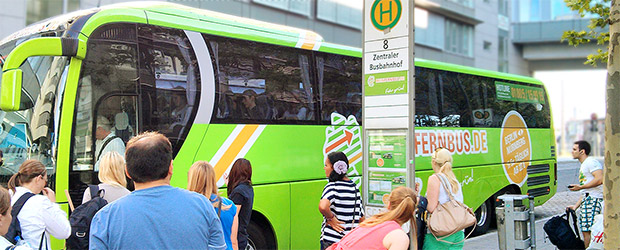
31 133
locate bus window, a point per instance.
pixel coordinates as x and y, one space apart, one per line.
426 106
339 82
262 83
456 105
169 82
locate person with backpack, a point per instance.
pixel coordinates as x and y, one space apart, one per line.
111 188
112 177
201 179
591 187
156 215
5 221
39 216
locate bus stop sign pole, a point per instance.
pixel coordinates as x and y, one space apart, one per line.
388 115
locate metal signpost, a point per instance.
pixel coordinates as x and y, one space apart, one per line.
388 90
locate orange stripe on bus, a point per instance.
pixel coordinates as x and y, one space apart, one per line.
234 149
309 41
308 45
355 158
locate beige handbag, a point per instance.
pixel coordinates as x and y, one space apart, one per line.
450 217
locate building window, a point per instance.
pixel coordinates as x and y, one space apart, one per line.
429 29
459 38
466 3
346 13
502 7
38 10
502 54
486 45
295 6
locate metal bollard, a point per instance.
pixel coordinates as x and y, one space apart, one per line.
512 223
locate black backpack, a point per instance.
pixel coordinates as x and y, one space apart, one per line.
561 234
420 219
15 228
82 216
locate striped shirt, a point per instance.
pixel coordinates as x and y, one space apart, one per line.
344 198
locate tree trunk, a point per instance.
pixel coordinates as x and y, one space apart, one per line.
611 181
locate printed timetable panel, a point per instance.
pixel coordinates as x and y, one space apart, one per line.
381 183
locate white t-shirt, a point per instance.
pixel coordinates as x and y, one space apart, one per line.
588 166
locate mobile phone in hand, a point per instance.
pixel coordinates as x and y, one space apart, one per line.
571 186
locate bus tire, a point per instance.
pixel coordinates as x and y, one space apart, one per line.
484 217
260 237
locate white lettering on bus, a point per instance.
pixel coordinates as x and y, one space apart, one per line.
515 146
457 141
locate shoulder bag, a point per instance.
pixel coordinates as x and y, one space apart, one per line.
450 217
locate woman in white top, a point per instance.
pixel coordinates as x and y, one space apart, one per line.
40 216
436 194
112 177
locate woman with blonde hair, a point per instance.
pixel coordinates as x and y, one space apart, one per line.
112 177
436 194
201 179
384 230
39 216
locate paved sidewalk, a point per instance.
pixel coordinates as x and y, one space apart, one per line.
556 205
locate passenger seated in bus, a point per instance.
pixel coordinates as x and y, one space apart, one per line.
107 140
251 110
265 104
179 116
290 112
228 106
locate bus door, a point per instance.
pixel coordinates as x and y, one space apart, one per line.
135 78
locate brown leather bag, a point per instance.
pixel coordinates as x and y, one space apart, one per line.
450 217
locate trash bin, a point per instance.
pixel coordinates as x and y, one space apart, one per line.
512 223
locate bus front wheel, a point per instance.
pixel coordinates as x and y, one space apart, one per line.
484 217
259 237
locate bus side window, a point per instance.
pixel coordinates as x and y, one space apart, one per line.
339 81
262 83
169 82
426 107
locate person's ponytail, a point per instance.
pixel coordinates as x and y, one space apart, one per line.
405 202
29 170
14 182
446 169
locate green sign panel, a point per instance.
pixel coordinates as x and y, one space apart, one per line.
519 93
387 83
387 151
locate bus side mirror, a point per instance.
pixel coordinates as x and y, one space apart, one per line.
10 90
11 84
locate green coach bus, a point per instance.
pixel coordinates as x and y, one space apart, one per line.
223 87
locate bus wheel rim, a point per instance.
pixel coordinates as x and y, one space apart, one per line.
251 245
483 214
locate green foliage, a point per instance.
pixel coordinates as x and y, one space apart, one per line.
598 10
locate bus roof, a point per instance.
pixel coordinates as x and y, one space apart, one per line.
249 25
